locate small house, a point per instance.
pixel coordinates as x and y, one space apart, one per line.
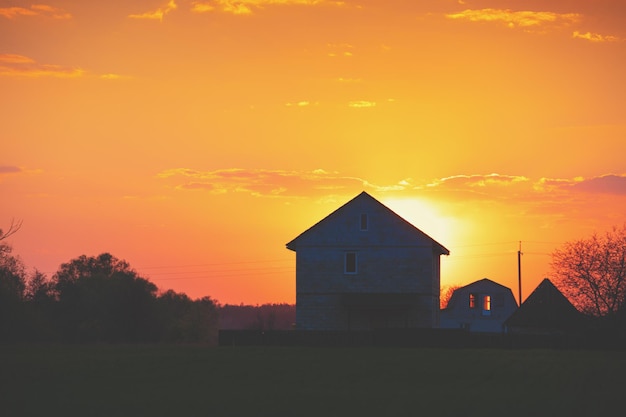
364 267
481 306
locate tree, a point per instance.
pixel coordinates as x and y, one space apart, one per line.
40 304
591 272
12 289
446 293
103 299
182 320
13 228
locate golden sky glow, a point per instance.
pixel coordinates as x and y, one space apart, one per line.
195 138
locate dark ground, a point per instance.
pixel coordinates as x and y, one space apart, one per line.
125 380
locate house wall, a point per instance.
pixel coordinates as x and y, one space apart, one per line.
321 281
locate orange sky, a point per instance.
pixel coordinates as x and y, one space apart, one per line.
195 138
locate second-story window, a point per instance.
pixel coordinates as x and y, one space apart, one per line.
486 305
472 301
364 221
350 263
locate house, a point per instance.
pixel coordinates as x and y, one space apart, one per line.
545 311
481 306
364 267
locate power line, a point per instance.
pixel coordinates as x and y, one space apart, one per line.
213 264
214 276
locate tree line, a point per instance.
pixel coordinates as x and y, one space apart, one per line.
101 299
98 299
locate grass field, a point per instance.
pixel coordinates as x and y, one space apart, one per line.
196 381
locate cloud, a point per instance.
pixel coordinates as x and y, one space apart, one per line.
41 10
512 19
299 104
246 7
114 77
595 37
156 14
6 170
13 65
9 169
479 181
541 195
360 104
268 183
605 184
340 49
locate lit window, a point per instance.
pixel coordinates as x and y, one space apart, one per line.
364 221
350 263
487 305
472 301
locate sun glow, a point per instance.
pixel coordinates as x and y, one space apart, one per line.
427 217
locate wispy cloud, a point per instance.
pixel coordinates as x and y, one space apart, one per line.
595 37
340 50
42 10
605 184
521 19
479 181
111 76
360 104
320 183
266 182
246 7
9 169
302 103
157 14
14 65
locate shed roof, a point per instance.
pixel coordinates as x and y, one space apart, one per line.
546 307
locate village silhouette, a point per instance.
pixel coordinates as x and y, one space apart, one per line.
364 276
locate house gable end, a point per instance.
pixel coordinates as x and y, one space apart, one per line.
364 221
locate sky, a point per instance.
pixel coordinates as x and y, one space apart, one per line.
194 139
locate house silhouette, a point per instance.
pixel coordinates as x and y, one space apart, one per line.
481 306
545 311
364 267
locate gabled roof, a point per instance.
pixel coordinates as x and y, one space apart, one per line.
366 201
547 308
481 282
484 284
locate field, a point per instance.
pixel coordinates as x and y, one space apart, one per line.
198 381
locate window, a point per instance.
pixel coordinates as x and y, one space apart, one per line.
350 263
472 301
364 221
486 305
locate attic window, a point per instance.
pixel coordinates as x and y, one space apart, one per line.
364 222
350 263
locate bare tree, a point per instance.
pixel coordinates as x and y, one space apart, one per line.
13 228
446 293
592 272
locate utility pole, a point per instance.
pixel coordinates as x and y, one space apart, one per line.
519 271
